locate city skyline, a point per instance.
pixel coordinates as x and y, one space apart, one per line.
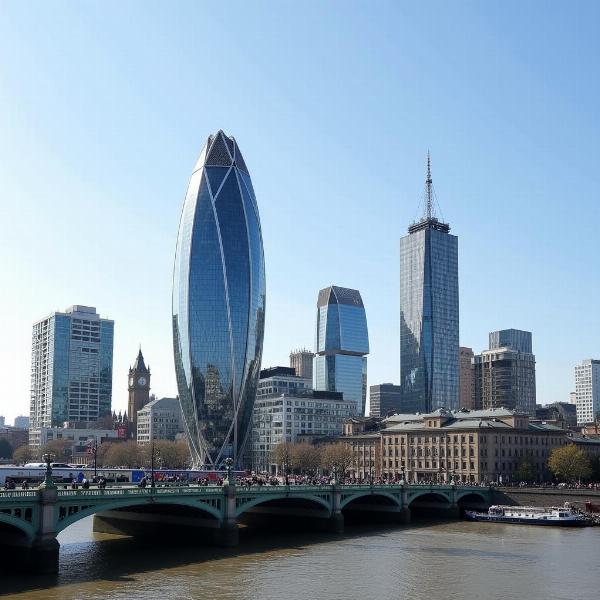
510 162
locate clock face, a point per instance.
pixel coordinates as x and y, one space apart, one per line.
142 381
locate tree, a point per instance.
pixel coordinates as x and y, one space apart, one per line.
23 454
282 455
6 450
124 454
306 457
60 450
525 470
338 456
569 462
167 454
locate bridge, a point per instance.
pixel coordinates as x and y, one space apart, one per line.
30 520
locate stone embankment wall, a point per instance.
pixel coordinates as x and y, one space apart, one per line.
544 497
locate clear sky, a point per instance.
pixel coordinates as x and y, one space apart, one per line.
104 107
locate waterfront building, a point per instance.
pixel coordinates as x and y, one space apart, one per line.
573 398
466 397
386 399
218 304
587 391
139 391
160 419
474 446
22 422
286 417
302 362
341 345
429 355
504 376
71 368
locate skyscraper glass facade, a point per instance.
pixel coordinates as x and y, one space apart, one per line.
71 367
429 359
218 303
341 343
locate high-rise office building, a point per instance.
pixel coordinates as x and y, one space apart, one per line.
71 367
385 399
22 422
341 345
302 362
466 398
429 357
218 303
587 391
504 376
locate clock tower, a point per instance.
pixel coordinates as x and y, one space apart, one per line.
139 391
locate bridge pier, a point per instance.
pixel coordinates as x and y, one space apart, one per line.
43 556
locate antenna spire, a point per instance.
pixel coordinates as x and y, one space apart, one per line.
428 190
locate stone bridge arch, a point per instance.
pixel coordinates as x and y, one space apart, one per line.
393 499
20 523
245 503
69 513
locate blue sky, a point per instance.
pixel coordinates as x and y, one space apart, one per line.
104 108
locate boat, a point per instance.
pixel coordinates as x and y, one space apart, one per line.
531 515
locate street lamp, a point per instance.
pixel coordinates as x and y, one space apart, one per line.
402 475
48 483
152 465
228 465
93 448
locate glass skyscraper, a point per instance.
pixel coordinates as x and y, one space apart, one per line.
341 343
71 367
218 303
429 356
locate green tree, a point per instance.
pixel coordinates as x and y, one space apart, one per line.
283 456
60 450
525 470
123 454
569 462
6 450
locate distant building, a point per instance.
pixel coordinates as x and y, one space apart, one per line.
466 397
71 368
15 436
558 412
572 397
2 421
386 399
504 377
429 359
302 362
160 419
587 390
275 381
342 343
139 391
78 437
290 418
511 338
22 422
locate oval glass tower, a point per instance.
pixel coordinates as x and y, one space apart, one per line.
218 304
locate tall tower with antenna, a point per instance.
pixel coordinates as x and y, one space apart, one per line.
429 324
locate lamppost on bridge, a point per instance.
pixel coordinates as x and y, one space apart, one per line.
152 483
452 482
228 468
402 475
93 449
48 482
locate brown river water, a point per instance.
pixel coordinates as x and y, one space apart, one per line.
421 561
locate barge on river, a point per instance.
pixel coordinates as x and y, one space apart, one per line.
531 515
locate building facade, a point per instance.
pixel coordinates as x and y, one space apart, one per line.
563 413
587 391
160 419
504 376
288 418
275 381
467 396
218 304
341 345
473 446
22 422
429 318
138 383
71 367
385 399
302 362
76 435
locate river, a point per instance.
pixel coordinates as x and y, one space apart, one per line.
421 561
